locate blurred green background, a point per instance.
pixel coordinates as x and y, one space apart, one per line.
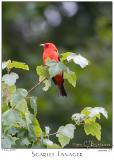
80 27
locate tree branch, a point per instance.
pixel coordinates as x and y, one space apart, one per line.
37 84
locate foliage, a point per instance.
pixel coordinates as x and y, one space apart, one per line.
20 123
52 69
14 64
88 117
65 133
10 79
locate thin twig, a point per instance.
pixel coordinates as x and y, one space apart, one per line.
38 83
8 70
52 134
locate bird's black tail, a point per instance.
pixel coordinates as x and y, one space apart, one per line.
62 91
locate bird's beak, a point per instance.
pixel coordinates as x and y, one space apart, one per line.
42 45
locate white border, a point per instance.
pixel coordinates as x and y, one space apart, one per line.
26 154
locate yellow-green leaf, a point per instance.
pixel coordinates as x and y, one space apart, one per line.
16 64
42 72
47 84
64 56
37 128
33 103
18 96
22 106
71 77
94 129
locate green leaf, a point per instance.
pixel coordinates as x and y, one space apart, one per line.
67 130
21 132
47 85
20 65
12 131
64 56
94 129
33 103
7 92
31 133
11 89
42 72
88 119
5 64
37 128
6 88
22 106
18 96
65 133
8 141
10 79
11 118
85 111
63 140
71 77
93 113
14 64
25 141
29 122
4 107
29 118
55 68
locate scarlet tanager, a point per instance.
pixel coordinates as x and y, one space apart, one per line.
51 52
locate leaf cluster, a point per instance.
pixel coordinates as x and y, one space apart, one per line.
20 124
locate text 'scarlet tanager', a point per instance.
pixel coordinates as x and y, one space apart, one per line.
51 52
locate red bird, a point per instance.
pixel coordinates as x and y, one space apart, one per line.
51 52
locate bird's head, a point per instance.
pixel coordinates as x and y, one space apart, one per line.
49 46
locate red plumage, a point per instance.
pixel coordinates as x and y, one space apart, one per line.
51 52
